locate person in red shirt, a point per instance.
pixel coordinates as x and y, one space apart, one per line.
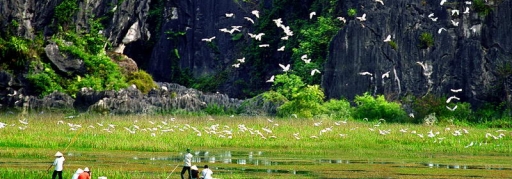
86 174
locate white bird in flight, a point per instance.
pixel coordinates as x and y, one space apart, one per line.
365 73
304 57
455 23
281 49
271 80
236 65
388 38
451 98
256 13
467 2
431 15
342 19
441 30
379 1
285 68
466 11
312 14
264 45
278 22
451 109
315 71
362 18
442 2
455 11
241 60
208 39
385 75
456 90
229 15
249 19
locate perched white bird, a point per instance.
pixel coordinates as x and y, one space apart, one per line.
264 45
451 98
467 2
314 71
379 1
208 39
388 39
304 57
442 2
466 11
249 19
451 109
256 13
441 30
236 65
362 18
229 15
241 60
271 80
411 115
456 90
455 11
258 36
307 61
455 23
281 49
365 73
312 14
285 68
284 38
342 19
385 75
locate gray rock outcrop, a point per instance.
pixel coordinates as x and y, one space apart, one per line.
65 63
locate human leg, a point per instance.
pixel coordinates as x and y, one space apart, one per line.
183 172
54 174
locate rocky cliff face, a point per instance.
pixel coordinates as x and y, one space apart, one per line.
472 55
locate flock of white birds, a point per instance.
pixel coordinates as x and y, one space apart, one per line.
341 128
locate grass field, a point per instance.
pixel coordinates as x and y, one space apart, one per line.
249 147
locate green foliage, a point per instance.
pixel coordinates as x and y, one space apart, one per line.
481 7
426 105
177 53
142 80
352 12
378 108
65 11
45 81
426 40
209 83
338 109
393 45
215 109
237 36
172 35
288 85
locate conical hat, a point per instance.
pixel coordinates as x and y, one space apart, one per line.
58 154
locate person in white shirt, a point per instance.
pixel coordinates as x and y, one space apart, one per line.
206 173
59 165
77 173
188 163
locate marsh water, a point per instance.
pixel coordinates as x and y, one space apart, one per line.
259 164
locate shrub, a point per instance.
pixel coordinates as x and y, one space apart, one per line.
378 108
352 12
426 40
338 108
45 81
393 45
306 103
142 80
481 7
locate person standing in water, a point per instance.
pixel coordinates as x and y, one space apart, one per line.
188 163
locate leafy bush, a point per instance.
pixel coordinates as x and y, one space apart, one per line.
378 108
393 45
142 80
65 11
426 40
352 12
45 81
481 7
338 109
426 105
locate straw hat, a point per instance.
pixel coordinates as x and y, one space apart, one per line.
194 167
58 154
86 169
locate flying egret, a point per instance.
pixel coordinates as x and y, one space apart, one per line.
433 19
466 11
271 80
451 109
314 71
285 68
467 2
208 39
281 49
264 45
451 98
256 13
431 15
249 19
456 90
312 14
304 57
441 30
258 36
241 60
228 15
455 11
236 65
385 75
455 23
362 18
278 22
284 38
388 39
307 61
442 2
365 73
342 19
379 1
